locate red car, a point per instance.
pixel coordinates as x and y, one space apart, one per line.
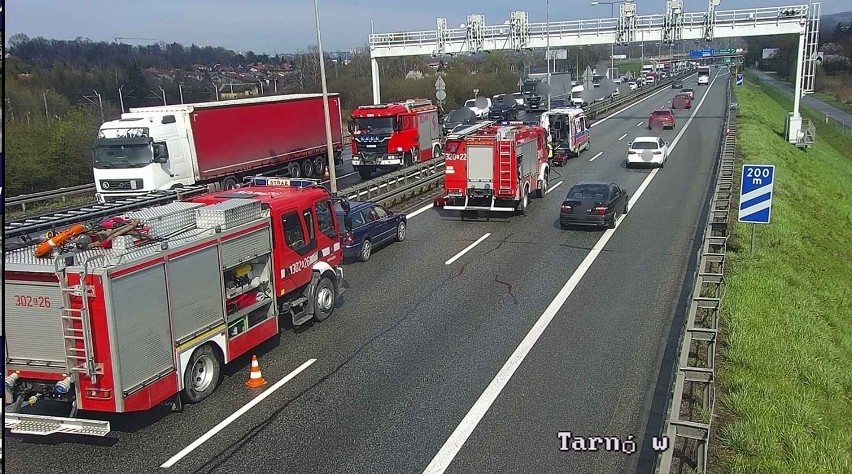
682 101
663 116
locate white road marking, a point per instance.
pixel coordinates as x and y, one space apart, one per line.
596 156
622 137
552 188
419 211
639 124
467 249
625 108
454 443
227 421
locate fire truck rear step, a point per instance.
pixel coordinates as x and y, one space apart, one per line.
46 425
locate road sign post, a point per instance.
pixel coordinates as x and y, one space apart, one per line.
440 92
756 187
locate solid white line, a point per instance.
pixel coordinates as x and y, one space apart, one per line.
419 211
467 249
227 421
596 156
451 447
622 137
552 188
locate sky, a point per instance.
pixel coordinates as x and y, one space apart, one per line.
280 26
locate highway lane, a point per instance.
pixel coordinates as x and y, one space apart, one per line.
400 362
595 369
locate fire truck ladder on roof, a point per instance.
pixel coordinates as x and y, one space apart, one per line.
471 130
504 148
76 324
25 227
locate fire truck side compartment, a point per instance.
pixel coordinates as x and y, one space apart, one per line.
32 332
143 340
195 292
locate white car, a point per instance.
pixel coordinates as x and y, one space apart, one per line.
480 113
647 151
633 85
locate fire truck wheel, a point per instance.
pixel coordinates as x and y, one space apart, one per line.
229 183
307 167
407 160
525 201
365 173
436 151
400 232
366 250
542 188
202 374
324 299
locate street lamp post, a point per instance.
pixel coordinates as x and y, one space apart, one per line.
332 173
547 21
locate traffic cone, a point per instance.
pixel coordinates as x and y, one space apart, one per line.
255 379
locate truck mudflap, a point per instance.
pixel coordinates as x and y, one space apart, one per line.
47 425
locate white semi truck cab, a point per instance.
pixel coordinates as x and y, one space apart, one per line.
140 153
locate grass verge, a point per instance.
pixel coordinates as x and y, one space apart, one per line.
786 380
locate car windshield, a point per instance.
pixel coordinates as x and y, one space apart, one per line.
470 103
661 112
122 156
380 125
641 145
588 191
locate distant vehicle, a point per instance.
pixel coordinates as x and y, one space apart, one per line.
577 96
677 84
665 116
595 203
532 98
691 92
504 107
458 118
633 85
481 112
560 103
647 151
519 98
650 79
683 100
366 226
703 75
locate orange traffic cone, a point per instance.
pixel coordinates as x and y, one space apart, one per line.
255 379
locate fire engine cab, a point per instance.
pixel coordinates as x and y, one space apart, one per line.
569 132
143 308
490 167
393 136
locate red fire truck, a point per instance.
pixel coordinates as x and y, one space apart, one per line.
144 308
393 136
491 167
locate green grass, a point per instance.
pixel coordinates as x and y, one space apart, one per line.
786 374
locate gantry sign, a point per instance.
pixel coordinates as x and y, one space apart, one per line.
518 33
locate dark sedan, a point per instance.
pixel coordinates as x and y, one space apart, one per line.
458 118
677 84
366 226
594 203
504 107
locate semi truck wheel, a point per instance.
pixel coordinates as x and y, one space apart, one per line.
202 374
294 170
307 167
229 183
324 299
319 167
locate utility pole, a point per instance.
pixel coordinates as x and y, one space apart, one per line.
164 95
332 172
547 21
101 105
121 98
180 91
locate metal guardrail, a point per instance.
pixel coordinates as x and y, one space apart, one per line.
62 194
398 186
688 427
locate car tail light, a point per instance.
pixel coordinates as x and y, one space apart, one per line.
567 208
348 238
600 210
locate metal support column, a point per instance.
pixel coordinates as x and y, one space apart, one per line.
374 70
794 126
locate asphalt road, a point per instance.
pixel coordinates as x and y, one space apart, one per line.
416 341
825 109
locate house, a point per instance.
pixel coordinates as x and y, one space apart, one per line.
238 91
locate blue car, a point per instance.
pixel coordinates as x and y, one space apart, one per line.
368 225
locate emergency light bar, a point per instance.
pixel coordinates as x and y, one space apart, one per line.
294 182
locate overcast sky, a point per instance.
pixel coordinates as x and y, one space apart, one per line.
270 26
